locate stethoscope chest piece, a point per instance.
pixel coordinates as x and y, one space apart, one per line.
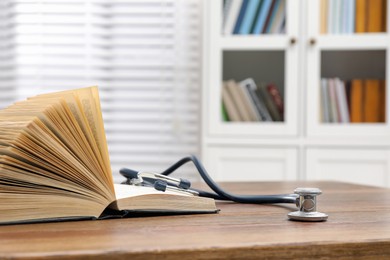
307 204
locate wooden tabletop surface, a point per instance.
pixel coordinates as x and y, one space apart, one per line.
358 227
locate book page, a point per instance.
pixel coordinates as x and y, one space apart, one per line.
54 145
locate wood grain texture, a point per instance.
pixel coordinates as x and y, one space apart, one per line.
358 228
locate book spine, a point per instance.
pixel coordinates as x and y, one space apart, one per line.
375 19
351 24
258 102
276 98
240 16
232 104
261 18
342 101
356 103
249 17
382 101
330 16
271 15
232 16
235 95
271 107
249 105
225 116
360 16
325 101
239 100
323 14
333 100
371 100
225 14
279 18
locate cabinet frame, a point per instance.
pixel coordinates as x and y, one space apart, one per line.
212 74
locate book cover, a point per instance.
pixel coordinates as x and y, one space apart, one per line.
54 165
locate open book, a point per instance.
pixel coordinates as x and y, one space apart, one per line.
54 164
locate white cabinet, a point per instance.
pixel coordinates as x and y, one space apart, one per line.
302 146
361 166
251 163
268 57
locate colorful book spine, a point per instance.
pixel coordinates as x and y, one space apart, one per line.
240 16
271 15
262 16
249 17
276 98
232 16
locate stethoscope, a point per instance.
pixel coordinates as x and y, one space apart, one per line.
304 198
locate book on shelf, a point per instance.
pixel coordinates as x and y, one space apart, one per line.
270 16
272 108
258 101
372 91
248 101
240 17
361 16
325 103
253 17
277 98
249 104
247 22
229 104
240 100
54 165
352 16
354 101
261 17
279 16
376 16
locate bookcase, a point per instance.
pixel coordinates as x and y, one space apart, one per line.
322 41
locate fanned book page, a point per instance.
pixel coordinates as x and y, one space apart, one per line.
54 163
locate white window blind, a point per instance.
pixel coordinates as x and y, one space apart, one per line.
143 55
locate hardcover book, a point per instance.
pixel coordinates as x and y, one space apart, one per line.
54 165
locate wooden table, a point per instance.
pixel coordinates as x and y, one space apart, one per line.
358 227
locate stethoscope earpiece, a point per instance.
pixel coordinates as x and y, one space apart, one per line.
307 204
